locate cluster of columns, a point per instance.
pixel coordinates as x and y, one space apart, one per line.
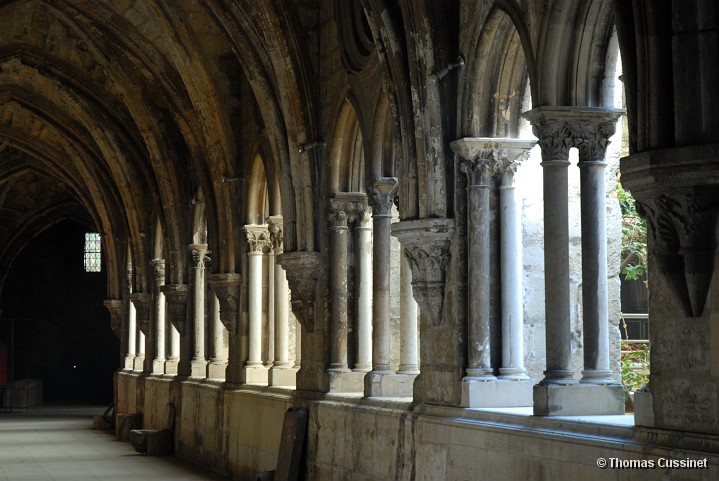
559 393
485 384
372 371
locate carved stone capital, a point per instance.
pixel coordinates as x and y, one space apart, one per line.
258 238
116 307
482 157
200 255
345 207
143 306
302 270
176 298
426 245
227 290
561 128
381 195
277 235
158 269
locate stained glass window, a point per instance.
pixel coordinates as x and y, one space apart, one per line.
92 252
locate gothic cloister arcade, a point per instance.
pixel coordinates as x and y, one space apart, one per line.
399 215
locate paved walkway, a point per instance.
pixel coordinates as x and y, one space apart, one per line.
58 443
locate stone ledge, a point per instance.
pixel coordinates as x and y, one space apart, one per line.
578 399
498 393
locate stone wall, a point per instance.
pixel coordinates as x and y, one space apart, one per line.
237 432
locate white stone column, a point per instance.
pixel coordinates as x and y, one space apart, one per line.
512 367
131 328
298 345
139 362
158 316
408 318
198 363
282 373
173 353
219 343
339 231
381 380
592 141
257 241
363 279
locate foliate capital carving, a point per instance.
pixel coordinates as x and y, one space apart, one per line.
176 297
426 245
381 194
116 307
482 157
681 239
143 305
277 235
258 238
561 128
200 255
158 269
227 290
302 270
346 207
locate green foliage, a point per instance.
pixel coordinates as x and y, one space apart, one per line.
634 237
634 365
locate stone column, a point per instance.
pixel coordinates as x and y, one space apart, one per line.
409 360
200 255
281 374
479 169
176 296
219 343
131 327
139 363
226 287
558 129
553 131
592 138
363 279
158 316
338 218
258 240
142 304
376 383
510 208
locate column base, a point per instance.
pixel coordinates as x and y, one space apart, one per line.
495 394
258 374
171 366
388 384
644 408
578 399
129 363
138 364
198 369
345 380
216 370
158 366
282 376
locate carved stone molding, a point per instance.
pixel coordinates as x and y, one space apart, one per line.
346 207
426 245
381 195
227 290
482 157
143 306
158 269
176 297
681 231
117 311
277 235
302 270
561 128
258 238
200 255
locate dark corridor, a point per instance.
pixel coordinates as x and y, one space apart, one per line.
54 322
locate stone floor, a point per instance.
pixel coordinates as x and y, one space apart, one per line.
58 443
